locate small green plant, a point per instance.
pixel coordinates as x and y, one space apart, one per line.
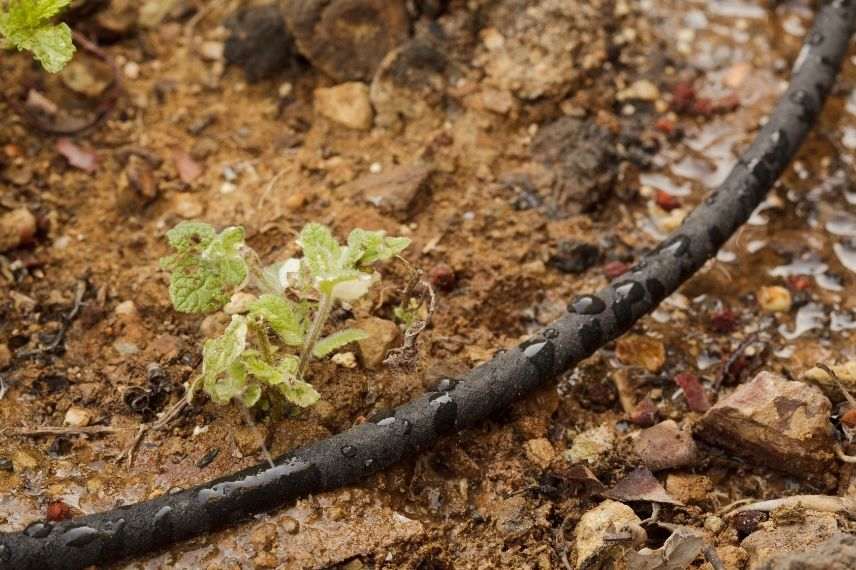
26 25
263 355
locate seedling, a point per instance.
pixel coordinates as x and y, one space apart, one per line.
293 303
26 25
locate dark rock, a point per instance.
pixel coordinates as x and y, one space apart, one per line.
574 256
259 42
346 39
582 154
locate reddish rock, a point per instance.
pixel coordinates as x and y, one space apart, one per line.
666 201
665 446
442 277
776 423
58 511
723 321
615 269
644 414
693 391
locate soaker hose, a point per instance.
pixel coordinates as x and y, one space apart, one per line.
591 321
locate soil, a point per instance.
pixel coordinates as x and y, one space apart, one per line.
549 172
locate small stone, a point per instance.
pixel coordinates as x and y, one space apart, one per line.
645 352
642 90
665 446
86 77
383 335
644 414
512 516
540 452
17 228
5 355
498 101
574 257
126 309
295 201
58 511
265 560
125 348
131 70
18 174
211 50
713 523
347 104
803 536
594 549
259 42
78 417
263 536
187 206
344 359
290 525
689 488
396 190
774 299
442 277
836 553
775 422
591 445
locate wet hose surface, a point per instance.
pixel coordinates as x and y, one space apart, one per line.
591 321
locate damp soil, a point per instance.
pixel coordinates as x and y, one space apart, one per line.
548 174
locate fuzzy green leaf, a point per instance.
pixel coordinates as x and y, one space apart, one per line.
287 318
300 393
283 372
337 340
368 247
207 267
322 252
251 395
224 376
26 25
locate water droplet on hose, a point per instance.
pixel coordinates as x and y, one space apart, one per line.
79 536
5 553
445 384
591 336
587 305
38 529
539 351
349 450
655 289
628 294
368 464
445 414
162 518
386 422
551 333
678 245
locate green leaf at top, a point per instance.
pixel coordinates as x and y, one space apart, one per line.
26 25
336 340
289 320
207 267
368 247
300 393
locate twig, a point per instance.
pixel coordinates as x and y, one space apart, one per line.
823 503
732 358
80 291
625 391
61 430
713 558
847 396
3 387
157 425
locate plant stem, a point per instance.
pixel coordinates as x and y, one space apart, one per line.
325 307
264 343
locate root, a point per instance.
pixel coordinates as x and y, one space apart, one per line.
822 503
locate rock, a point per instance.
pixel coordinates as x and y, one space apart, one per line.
540 451
87 76
836 553
688 488
582 155
645 352
290 525
591 445
642 90
732 557
126 309
347 104
512 516
397 190
802 536
845 373
443 277
346 39
574 257
410 83
774 299
344 359
259 42
775 422
383 335
78 417
644 413
594 550
17 228
187 206
212 50
665 446
263 535
5 355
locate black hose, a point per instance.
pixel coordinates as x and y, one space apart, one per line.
591 321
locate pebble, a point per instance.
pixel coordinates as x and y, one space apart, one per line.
125 348
290 525
590 445
78 417
642 90
774 422
383 335
126 309
774 299
665 446
131 70
345 359
5 355
689 488
594 549
540 451
187 206
513 516
396 190
17 228
645 352
442 277
347 104
211 50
